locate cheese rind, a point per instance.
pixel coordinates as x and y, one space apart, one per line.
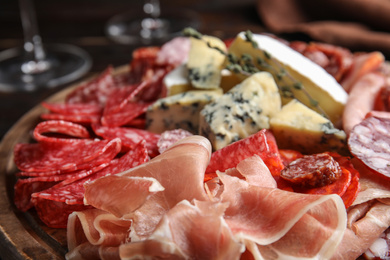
240 112
205 62
179 111
298 127
176 81
319 84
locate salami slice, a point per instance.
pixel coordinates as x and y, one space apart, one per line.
262 143
81 119
369 141
55 214
75 131
57 158
120 97
73 109
130 137
174 52
288 156
312 171
131 111
73 193
168 138
95 91
144 59
25 187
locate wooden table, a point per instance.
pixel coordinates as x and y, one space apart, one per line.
82 22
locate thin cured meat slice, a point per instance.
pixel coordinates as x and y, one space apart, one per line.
175 238
76 132
81 119
100 231
24 188
364 232
369 141
73 192
168 138
64 199
361 99
288 156
262 143
144 60
57 158
130 137
126 115
138 190
312 171
121 96
273 219
55 214
73 109
174 52
362 64
95 91
180 170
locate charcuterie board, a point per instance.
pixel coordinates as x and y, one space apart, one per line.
23 235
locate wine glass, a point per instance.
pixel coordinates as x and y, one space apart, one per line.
35 65
151 26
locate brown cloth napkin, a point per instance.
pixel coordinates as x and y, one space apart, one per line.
360 25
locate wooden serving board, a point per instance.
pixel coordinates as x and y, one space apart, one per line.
23 235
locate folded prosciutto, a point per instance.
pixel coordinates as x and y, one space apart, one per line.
163 209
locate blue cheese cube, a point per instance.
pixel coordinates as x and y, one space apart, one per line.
179 111
242 111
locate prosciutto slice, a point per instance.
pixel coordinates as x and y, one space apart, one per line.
189 231
180 170
242 213
273 218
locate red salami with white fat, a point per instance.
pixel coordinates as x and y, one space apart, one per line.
73 193
130 137
73 109
168 138
57 158
262 143
369 141
81 119
95 91
75 131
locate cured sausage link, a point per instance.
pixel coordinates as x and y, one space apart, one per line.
315 170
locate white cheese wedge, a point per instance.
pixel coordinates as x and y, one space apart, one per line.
242 111
205 63
298 127
179 111
176 81
320 85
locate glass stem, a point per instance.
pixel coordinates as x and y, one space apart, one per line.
152 8
35 53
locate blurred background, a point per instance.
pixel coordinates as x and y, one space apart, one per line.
359 25
82 23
